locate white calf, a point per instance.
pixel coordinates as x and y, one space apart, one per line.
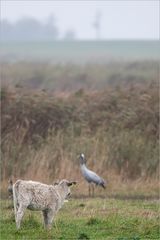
38 196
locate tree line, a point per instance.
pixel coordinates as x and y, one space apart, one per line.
30 29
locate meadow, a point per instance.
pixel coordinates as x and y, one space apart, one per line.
88 218
53 112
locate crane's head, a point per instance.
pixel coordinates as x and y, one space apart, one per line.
82 158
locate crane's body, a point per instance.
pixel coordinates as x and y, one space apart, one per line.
90 176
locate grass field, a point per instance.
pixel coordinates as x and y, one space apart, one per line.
88 218
53 112
79 51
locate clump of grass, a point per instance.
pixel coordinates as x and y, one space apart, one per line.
31 222
83 236
93 221
10 219
81 205
126 238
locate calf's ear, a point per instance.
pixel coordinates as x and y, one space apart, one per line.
56 183
71 183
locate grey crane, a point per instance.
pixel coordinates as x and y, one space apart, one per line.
90 176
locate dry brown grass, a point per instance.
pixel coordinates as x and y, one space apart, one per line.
117 129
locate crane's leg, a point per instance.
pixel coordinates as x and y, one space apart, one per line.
89 189
92 190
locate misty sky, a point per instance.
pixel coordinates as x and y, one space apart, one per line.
137 19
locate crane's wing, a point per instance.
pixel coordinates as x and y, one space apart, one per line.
93 177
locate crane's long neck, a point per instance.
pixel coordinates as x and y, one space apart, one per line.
83 167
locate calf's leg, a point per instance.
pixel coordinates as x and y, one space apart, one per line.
19 215
50 216
45 217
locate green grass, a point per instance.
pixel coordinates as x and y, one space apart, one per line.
88 219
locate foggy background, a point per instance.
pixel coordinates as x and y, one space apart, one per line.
79 20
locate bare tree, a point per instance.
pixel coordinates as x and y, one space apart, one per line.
50 28
97 24
70 35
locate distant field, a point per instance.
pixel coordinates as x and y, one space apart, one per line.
94 219
117 128
71 77
80 51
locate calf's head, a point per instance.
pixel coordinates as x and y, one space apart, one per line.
65 185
